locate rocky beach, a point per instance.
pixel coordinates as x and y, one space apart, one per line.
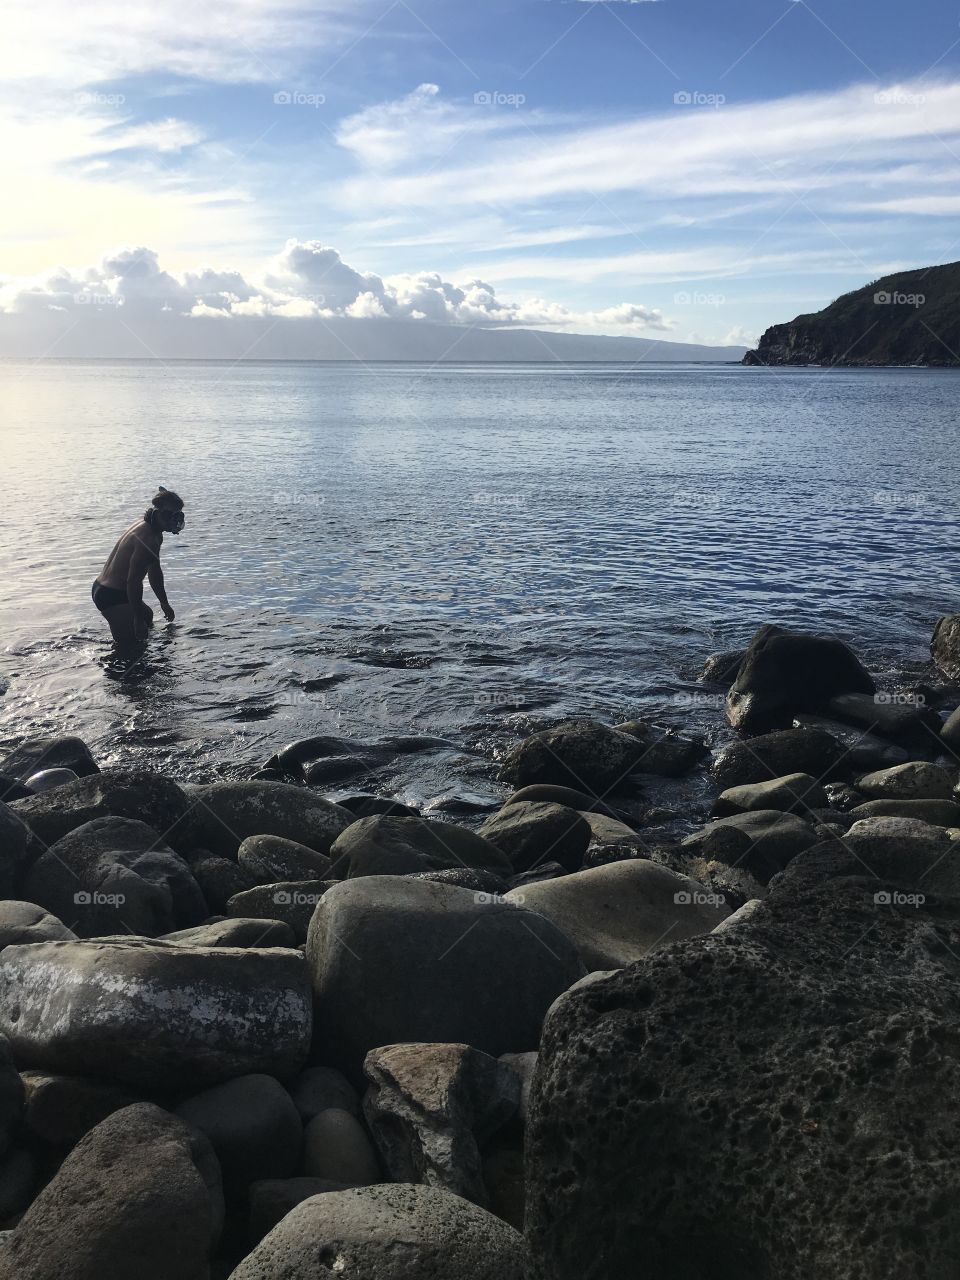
251 1032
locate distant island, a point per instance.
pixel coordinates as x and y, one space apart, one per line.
909 318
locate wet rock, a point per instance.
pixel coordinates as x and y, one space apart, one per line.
116 874
763 1065
48 779
775 838
784 673
270 859
795 793
950 733
321 1088
887 718
237 932
941 813
842 796
26 922
437 963
722 668
544 793
431 1106
60 1109
717 842
304 750
36 754
529 833
253 1127
665 752
138 1196
584 755
612 833
775 755
136 794
362 806
615 914
292 902
155 1015
864 751
323 773
272 1199
945 647
228 812
895 837
220 879
914 781
336 1147
382 845
390 1232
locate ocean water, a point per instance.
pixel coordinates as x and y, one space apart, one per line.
455 553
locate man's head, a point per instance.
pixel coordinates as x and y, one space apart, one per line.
165 511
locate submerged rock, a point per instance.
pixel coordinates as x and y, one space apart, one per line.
396 960
617 913
156 1015
389 1232
430 1105
139 1196
784 673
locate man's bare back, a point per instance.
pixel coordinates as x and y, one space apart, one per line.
118 591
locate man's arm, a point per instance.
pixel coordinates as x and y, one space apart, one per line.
155 575
140 562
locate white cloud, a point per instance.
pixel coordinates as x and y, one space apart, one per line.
304 279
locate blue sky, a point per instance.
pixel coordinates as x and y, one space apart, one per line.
669 168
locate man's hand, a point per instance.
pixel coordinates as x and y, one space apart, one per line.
168 612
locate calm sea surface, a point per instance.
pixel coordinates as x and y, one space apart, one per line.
456 551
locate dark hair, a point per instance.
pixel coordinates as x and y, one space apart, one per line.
163 500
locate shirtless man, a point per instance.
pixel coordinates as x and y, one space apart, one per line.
118 591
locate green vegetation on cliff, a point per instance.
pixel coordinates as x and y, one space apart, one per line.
909 318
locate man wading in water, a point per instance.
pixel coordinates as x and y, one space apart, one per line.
118 592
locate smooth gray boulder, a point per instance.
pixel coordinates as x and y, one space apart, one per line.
784 673
387 845
238 932
397 960
35 754
530 833
616 913
112 875
115 793
270 859
916 780
227 813
795 793
26 922
155 1015
430 1107
585 755
337 1147
292 902
253 1127
48 779
545 793
774 837
941 813
139 1196
387 1232
611 833
891 719
775 755
945 646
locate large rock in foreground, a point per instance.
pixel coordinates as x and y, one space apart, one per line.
156 1015
585 755
138 1197
388 1232
782 1098
616 913
396 960
945 646
784 673
227 813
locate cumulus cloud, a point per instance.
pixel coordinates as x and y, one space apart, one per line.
307 278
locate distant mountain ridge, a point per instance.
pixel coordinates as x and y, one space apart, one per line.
125 333
908 318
